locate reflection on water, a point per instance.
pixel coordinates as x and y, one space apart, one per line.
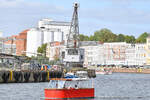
118 86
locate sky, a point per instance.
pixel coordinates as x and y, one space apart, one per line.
130 17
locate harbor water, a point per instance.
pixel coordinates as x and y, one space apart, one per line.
118 86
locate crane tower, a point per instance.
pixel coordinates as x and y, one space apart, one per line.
73 37
73 55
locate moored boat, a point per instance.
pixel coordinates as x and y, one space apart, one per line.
69 88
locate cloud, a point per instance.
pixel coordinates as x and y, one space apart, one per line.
9 3
17 15
121 16
118 15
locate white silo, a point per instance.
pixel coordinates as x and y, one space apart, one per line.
58 36
48 36
34 40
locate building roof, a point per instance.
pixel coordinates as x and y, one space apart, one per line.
89 43
59 23
24 32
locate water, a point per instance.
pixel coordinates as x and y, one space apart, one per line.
118 86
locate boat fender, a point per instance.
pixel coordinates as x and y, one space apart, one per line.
89 74
5 77
55 74
59 74
52 74
36 76
21 76
26 76
93 74
40 76
17 76
44 74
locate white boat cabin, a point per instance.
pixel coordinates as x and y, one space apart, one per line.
75 83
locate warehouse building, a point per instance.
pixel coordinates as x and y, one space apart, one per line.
46 32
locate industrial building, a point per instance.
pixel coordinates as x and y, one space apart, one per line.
46 32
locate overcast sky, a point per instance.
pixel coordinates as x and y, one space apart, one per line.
130 17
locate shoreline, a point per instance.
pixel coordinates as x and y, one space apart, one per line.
131 70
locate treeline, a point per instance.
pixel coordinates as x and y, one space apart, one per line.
106 35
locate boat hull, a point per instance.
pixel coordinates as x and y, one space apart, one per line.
69 93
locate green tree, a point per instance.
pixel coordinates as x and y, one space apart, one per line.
91 38
105 35
142 38
130 39
42 49
83 37
86 38
120 38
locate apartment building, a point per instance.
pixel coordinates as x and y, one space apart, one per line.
116 53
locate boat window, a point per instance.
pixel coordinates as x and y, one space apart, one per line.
61 84
78 84
56 84
70 84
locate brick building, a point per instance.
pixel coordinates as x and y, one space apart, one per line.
20 41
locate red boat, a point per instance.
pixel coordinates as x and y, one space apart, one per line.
69 88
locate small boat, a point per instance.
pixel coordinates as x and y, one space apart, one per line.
69 88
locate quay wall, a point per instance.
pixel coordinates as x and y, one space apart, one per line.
10 76
131 70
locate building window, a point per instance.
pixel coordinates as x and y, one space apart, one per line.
72 52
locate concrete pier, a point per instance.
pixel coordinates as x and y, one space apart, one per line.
10 76
131 70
